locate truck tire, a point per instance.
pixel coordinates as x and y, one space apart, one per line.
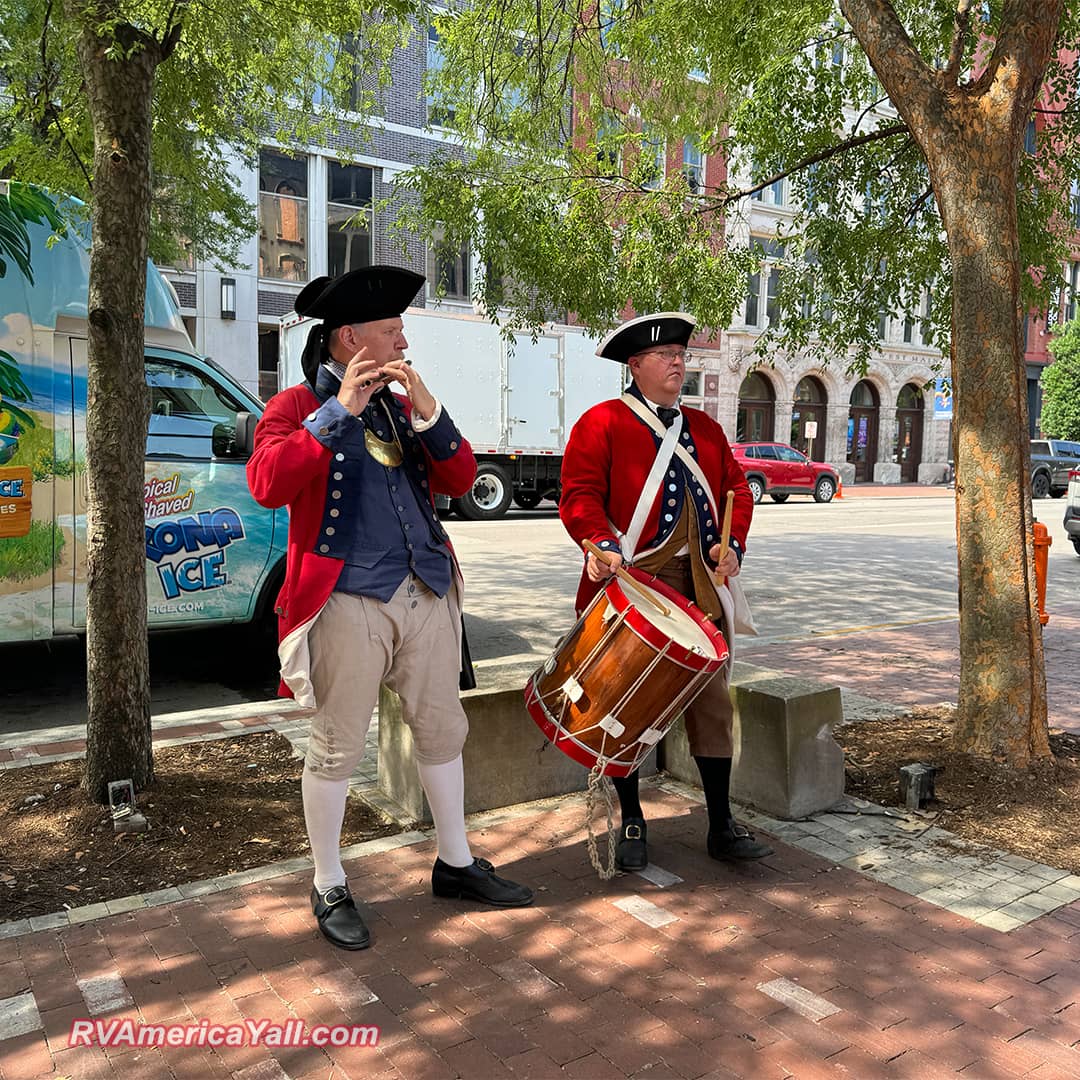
490 494
1040 485
1076 544
528 500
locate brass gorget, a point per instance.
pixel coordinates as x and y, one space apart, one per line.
385 452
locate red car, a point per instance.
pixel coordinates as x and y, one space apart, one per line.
778 471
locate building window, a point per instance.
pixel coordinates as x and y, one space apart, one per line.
439 114
1029 137
653 159
448 269
693 163
1074 282
348 217
770 251
691 387
609 144
773 195
883 326
344 57
283 216
1074 202
608 13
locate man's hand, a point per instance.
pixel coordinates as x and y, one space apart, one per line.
727 563
599 570
361 381
399 371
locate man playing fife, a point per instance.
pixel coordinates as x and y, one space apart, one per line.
608 469
372 591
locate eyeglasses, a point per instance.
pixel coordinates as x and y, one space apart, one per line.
685 355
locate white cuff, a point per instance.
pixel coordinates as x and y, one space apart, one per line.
423 425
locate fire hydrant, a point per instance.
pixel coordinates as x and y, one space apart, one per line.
1042 540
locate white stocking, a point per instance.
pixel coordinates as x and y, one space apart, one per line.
444 786
324 811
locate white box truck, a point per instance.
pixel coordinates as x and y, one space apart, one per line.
515 399
212 553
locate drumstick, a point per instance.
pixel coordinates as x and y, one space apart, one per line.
623 576
725 532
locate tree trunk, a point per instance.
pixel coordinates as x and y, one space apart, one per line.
971 133
120 88
1002 694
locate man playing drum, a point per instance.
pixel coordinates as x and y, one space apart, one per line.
628 489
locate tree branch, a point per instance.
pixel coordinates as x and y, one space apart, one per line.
959 42
903 73
821 155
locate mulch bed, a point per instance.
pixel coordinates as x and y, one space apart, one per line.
215 808
1031 812
232 804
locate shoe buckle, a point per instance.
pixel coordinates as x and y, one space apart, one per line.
483 864
632 832
337 895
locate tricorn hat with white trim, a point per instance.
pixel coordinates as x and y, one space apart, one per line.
647 332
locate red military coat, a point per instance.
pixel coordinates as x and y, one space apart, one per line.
290 467
606 463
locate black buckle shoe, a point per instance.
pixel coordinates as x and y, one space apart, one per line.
633 851
339 921
478 882
735 842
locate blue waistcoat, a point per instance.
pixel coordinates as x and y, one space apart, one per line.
377 518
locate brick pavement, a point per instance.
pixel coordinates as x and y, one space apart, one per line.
789 967
920 665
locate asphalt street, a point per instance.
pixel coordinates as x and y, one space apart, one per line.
811 569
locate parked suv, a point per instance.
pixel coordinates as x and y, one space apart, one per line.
1072 509
778 471
1051 460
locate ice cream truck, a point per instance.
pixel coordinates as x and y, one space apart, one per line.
213 555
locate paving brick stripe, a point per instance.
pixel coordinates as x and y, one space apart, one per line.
792 966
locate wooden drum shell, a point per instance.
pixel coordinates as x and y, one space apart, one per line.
613 679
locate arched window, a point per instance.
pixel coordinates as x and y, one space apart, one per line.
754 421
865 395
910 397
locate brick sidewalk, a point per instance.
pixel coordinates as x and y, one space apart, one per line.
919 665
789 967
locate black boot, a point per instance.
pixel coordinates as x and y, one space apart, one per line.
633 851
734 842
478 882
339 921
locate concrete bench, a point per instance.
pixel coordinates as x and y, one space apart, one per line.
507 758
786 763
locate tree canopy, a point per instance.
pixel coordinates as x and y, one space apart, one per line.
562 109
1061 385
239 75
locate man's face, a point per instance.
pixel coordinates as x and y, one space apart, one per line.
659 373
383 339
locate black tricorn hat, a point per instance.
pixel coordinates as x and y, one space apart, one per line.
646 332
365 295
